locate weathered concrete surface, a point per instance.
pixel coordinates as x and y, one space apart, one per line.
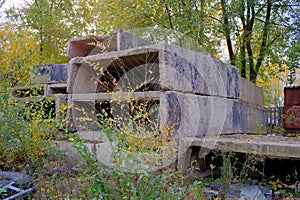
183 71
117 96
61 103
93 136
251 94
252 119
189 115
197 116
52 89
91 45
275 146
101 151
86 74
193 72
82 46
212 115
56 73
82 116
198 73
199 96
72 156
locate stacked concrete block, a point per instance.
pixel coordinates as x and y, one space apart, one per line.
49 84
198 95
251 107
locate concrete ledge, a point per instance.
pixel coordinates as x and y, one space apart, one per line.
59 88
117 96
271 146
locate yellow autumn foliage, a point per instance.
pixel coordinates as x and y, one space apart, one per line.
18 54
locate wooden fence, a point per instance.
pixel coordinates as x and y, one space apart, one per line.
273 116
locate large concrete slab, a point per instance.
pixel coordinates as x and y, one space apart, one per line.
182 71
91 45
54 73
271 146
117 96
212 115
251 94
197 116
188 115
252 119
82 46
197 72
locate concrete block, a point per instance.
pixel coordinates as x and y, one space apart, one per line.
276 146
82 46
96 73
26 91
169 153
104 153
233 82
251 94
84 116
72 156
52 89
199 95
196 72
197 116
56 73
193 72
127 40
91 45
85 79
61 103
91 147
187 115
92 136
69 115
184 155
252 119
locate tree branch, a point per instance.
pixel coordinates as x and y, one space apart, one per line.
169 14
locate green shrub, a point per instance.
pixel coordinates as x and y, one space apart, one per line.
25 132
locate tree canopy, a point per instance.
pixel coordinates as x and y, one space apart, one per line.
260 37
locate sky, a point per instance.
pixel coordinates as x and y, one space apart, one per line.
10 3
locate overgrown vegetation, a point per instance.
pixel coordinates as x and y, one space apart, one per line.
261 38
91 179
25 133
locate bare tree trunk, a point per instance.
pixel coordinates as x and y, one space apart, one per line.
243 43
263 46
227 32
248 35
169 14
